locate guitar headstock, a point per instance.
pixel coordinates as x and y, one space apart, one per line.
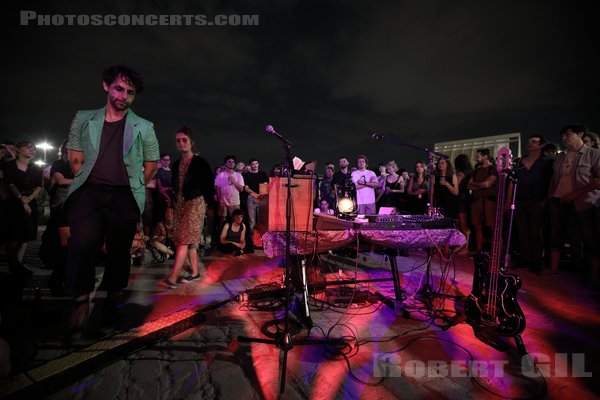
503 160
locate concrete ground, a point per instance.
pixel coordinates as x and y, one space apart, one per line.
183 343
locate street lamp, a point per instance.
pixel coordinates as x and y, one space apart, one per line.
44 146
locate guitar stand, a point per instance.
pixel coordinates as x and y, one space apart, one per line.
526 359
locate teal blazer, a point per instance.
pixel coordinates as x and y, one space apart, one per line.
139 145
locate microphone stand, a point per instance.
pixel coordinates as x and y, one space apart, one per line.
426 290
283 340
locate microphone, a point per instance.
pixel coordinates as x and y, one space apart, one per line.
377 136
270 130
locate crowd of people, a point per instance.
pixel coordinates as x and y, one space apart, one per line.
111 182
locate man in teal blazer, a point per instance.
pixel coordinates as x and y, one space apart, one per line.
113 153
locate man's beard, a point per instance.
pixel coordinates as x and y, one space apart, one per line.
120 105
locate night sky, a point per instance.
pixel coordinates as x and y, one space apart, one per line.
326 74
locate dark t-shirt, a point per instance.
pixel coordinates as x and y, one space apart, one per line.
164 177
253 180
24 181
481 174
327 191
444 198
109 168
234 236
341 179
63 168
532 184
58 194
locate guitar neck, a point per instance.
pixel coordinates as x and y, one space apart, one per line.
497 238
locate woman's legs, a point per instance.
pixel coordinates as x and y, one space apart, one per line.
192 255
181 253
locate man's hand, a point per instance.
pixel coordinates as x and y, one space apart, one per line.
76 159
150 168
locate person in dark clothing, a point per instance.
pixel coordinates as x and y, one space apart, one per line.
484 193
7 153
53 249
252 180
24 181
418 189
445 189
342 182
343 177
113 154
532 173
393 188
164 195
464 171
326 187
233 235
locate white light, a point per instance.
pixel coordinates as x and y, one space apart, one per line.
345 205
39 163
44 146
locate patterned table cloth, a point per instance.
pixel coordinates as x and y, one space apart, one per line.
322 241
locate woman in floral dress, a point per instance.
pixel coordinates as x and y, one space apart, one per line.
194 187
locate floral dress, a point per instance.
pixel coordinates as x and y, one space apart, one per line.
189 215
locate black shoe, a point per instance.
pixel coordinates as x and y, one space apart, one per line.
110 317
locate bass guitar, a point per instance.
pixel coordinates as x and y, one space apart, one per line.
492 306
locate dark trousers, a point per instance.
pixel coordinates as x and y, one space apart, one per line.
98 215
229 248
586 219
528 221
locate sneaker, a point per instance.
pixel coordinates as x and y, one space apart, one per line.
190 278
167 284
